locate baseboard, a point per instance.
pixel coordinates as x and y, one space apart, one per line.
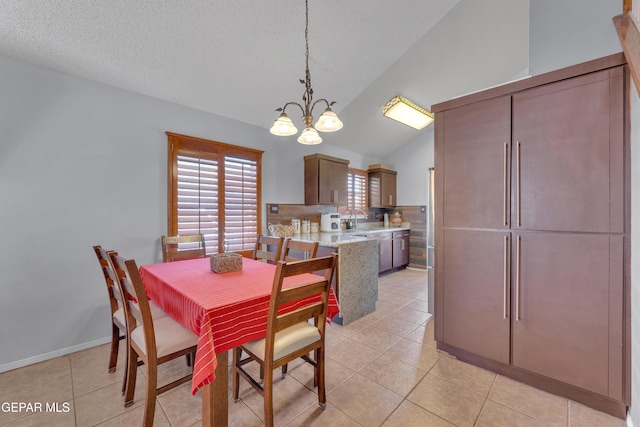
52 355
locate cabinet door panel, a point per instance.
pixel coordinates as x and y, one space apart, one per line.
475 167
388 189
385 251
333 183
561 297
475 288
562 161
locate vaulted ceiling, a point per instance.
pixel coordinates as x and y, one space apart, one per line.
239 59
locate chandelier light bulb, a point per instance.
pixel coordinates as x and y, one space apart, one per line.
309 136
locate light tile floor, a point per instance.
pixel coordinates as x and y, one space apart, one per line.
382 370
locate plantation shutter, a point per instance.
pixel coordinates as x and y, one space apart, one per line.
214 190
357 191
197 208
241 203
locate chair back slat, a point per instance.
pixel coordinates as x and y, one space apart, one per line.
268 248
299 292
303 314
175 248
296 250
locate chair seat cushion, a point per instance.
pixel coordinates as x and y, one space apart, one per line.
171 336
156 312
287 340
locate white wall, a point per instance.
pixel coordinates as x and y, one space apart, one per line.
473 47
569 32
84 164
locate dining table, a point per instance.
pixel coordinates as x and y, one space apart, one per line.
224 310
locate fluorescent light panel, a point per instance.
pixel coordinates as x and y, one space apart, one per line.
408 113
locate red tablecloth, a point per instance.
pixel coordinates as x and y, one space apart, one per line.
224 310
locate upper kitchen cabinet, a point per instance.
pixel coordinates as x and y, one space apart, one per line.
325 180
382 187
475 164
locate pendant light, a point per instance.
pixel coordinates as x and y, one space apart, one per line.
328 120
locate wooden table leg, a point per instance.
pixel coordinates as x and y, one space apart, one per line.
215 396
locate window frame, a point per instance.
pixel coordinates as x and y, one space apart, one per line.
206 149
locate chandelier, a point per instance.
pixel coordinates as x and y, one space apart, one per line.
328 120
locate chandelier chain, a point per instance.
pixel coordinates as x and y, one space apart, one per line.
309 89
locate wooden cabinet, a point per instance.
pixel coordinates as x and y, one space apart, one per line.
325 180
393 249
532 231
563 305
568 166
385 252
476 165
401 251
382 188
474 297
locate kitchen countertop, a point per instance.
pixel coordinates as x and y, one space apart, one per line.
345 236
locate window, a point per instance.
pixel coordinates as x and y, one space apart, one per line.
214 189
357 191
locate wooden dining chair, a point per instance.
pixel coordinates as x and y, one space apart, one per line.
296 250
118 320
154 341
175 248
289 336
263 244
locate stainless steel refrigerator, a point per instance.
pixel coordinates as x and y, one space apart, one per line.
430 249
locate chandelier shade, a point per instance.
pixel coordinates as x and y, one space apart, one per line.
408 113
309 136
283 126
328 120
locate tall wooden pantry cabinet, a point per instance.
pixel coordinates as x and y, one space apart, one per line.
532 231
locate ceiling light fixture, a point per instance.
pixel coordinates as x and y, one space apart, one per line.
406 112
328 120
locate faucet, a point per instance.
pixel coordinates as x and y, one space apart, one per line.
363 212
350 215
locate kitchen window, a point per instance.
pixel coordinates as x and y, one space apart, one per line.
214 190
357 192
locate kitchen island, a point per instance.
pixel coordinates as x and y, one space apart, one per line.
356 278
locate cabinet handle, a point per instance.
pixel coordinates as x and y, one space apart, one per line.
517 302
505 296
402 244
334 196
390 200
518 184
506 185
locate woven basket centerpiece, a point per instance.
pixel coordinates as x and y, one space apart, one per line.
226 262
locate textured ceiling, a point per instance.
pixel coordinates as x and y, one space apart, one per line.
240 59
